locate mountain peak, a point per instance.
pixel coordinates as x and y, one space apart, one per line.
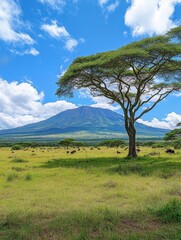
82 119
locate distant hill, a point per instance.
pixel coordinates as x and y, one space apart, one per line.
82 122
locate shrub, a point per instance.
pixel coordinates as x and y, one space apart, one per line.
16 147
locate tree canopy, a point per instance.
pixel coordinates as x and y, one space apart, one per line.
136 76
173 135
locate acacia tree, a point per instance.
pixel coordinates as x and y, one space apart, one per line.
174 136
136 76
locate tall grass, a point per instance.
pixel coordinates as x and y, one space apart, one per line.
91 194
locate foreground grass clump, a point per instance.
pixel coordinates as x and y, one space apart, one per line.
11 177
105 224
94 193
170 212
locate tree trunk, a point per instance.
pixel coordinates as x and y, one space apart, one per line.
132 140
132 145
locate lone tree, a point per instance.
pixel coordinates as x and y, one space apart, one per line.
136 76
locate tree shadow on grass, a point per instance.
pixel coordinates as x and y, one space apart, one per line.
142 166
82 163
160 169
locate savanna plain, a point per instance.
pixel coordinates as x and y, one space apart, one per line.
93 193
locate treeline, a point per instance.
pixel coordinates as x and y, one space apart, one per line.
70 142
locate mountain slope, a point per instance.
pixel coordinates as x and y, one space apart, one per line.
87 119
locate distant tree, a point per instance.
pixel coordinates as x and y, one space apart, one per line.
70 142
172 135
16 147
136 76
112 143
177 143
67 142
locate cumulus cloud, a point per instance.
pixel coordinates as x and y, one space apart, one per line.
169 122
150 17
58 32
55 31
21 104
9 22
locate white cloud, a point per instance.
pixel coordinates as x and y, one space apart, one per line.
150 17
55 4
21 103
169 122
62 71
102 2
177 94
60 33
109 7
71 44
55 31
9 21
99 102
112 7
31 51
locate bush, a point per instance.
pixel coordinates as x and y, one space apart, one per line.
171 212
16 147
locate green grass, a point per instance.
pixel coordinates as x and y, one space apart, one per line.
91 194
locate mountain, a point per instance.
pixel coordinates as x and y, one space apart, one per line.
83 121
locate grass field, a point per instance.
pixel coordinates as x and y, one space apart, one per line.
47 193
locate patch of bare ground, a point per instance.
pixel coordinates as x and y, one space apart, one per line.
131 225
48 235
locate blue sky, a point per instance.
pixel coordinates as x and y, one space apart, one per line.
40 38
